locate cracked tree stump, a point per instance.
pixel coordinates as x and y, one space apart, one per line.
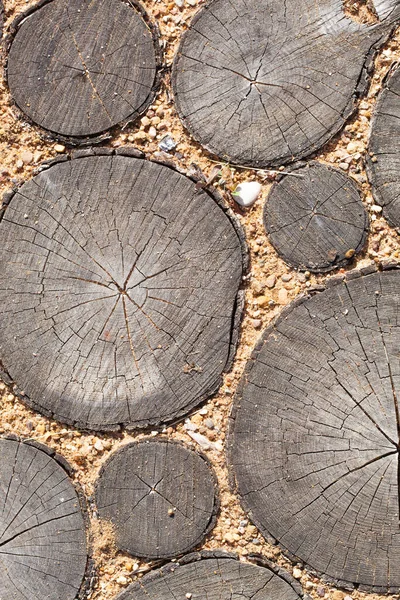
119 285
315 218
264 82
159 495
78 68
383 168
215 576
314 437
42 530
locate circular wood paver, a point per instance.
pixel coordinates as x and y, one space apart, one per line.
42 530
77 68
314 437
215 576
160 496
315 218
384 168
264 82
119 282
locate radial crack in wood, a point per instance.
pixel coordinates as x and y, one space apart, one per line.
314 436
264 82
119 282
77 68
316 220
42 531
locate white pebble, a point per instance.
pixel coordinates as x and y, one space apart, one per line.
297 573
247 193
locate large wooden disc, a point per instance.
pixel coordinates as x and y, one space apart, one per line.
314 440
384 166
264 82
160 497
215 576
315 218
42 530
119 285
77 68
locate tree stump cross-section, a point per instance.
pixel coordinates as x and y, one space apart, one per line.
78 68
315 433
119 282
159 495
264 82
315 218
42 530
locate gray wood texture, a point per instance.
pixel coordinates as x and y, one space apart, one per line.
315 218
215 576
77 68
160 496
314 439
383 168
43 553
119 286
264 82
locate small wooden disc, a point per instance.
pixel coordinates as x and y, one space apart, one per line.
215 576
119 285
384 146
77 68
160 497
314 440
42 531
315 218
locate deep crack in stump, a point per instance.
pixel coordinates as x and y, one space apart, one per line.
119 282
77 68
42 530
314 438
315 218
264 82
160 496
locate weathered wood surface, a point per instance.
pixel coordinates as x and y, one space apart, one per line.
315 218
265 82
42 531
383 168
77 68
119 286
314 437
215 576
160 496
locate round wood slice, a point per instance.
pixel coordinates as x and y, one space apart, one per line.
160 497
384 167
264 82
77 68
215 576
314 439
42 531
315 218
119 286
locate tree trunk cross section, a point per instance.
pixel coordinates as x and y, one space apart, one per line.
314 438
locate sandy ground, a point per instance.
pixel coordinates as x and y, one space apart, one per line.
23 147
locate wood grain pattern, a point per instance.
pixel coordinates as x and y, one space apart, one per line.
264 82
315 218
77 68
42 531
160 497
314 437
119 282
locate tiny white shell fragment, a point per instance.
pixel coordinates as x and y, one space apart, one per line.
247 193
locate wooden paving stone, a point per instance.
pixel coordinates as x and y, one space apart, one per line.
215 576
383 167
77 68
314 438
264 82
42 530
160 496
119 286
315 218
